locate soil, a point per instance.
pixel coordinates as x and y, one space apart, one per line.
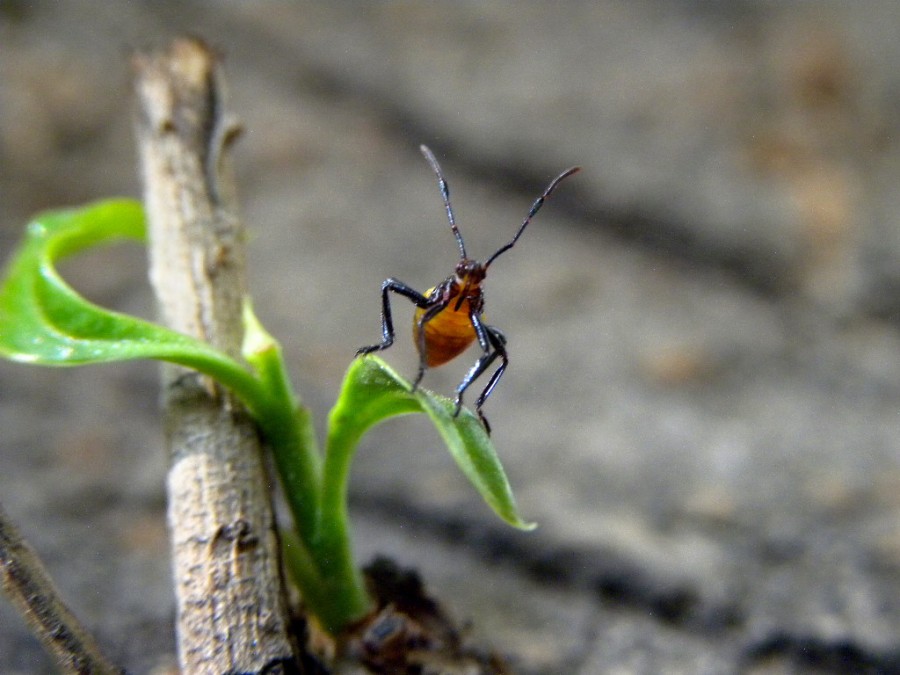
408 633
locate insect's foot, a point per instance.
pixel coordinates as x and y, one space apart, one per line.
418 380
484 422
362 351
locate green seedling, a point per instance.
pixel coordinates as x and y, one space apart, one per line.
44 321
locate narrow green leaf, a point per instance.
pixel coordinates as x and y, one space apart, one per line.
373 392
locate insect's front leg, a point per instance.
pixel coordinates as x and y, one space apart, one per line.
387 323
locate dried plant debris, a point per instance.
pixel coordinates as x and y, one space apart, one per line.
407 633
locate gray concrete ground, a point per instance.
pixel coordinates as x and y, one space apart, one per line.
701 409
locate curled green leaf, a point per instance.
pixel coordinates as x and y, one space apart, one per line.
44 321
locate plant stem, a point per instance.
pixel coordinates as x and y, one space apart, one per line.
289 431
333 544
320 554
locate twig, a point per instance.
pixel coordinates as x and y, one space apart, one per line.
232 614
29 588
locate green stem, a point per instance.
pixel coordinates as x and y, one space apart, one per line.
286 425
333 547
288 428
289 433
305 572
319 552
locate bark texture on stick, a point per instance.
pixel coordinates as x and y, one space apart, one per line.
232 615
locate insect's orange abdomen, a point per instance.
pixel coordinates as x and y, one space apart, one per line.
447 335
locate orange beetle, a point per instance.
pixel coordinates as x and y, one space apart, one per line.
448 317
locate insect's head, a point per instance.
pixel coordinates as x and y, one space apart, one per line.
470 270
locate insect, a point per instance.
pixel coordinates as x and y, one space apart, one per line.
448 317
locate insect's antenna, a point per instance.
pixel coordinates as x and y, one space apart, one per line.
445 193
538 203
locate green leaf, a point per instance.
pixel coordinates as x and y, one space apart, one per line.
373 392
44 321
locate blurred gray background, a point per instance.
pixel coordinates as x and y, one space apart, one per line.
702 409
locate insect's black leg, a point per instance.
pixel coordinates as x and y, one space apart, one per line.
483 362
387 323
493 343
498 342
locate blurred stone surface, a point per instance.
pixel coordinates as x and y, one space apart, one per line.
701 405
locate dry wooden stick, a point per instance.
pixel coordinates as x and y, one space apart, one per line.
29 588
232 615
